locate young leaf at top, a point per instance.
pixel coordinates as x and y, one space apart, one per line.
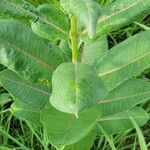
121 13
75 87
87 12
25 53
65 129
121 122
125 60
55 26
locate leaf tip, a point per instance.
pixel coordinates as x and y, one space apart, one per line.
76 112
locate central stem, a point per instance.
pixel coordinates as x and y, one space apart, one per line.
74 39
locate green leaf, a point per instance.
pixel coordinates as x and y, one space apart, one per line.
19 9
56 25
84 144
125 96
34 95
66 129
86 11
64 46
4 98
121 13
25 53
94 49
125 60
75 87
121 122
26 112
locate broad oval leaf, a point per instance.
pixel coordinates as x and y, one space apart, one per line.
125 96
121 13
25 53
87 11
55 26
66 129
34 95
75 87
121 122
125 60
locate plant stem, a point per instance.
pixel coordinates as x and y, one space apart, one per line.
74 39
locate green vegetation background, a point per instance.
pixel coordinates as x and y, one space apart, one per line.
18 133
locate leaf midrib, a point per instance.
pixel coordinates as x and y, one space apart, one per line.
75 83
127 97
42 19
123 66
113 14
122 118
34 110
120 11
25 85
28 54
